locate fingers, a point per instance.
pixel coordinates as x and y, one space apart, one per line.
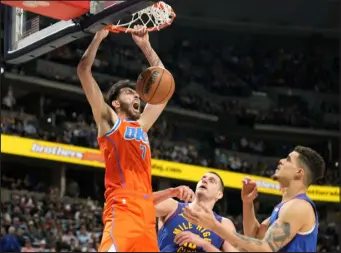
246 180
185 194
189 197
254 193
182 193
183 240
140 30
191 215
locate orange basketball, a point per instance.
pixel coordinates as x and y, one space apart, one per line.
155 85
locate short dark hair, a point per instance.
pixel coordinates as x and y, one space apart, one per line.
313 161
220 179
114 91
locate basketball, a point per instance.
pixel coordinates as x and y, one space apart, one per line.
155 85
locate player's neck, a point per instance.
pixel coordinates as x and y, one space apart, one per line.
292 190
122 116
208 203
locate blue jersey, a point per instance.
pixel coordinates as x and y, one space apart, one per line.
302 242
176 224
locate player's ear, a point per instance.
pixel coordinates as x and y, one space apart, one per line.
220 195
115 104
299 173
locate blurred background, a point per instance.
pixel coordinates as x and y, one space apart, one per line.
253 80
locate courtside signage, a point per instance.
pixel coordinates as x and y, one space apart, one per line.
91 157
51 151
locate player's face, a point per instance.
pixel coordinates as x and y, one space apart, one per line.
288 169
210 187
129 102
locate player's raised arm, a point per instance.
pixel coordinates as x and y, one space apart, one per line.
100 108
251 226
151 112
291 220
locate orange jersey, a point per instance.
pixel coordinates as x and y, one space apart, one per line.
129 213
127 158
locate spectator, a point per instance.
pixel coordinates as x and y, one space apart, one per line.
9 242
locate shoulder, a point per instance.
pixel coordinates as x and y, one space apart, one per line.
297 205
298 208
228 223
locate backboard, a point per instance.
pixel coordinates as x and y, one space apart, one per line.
34 28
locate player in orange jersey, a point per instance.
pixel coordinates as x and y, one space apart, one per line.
129 214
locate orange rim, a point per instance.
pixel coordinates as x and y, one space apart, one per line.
118 29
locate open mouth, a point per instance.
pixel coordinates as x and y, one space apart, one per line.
202 187
136 105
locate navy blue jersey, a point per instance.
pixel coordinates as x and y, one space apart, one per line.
176 224
302 242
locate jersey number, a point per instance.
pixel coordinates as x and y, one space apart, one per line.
143 148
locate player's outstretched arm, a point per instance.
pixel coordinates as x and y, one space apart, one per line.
227 247
100 108
151 112
291 219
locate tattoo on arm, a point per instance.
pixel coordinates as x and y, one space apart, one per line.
239 248
277 235
151 56
249 240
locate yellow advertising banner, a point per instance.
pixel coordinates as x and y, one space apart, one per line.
91 157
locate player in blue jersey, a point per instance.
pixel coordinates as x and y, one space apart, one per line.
176 234
293 224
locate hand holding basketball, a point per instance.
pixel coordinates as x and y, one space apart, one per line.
140 35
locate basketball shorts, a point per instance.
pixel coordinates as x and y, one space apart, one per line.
129 224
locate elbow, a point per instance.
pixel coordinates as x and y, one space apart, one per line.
82 68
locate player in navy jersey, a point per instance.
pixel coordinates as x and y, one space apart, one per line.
293 224
176 234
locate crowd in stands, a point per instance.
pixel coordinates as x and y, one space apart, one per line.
235 71
47 223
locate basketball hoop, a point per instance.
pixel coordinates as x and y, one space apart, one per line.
155 18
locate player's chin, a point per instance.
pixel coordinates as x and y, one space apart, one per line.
201 192
274 177
135 114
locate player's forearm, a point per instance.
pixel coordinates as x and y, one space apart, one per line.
161 196
89 55
208 247
241 242
250 222
151 55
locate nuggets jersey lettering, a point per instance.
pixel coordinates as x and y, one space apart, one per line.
176 224
302 242
127 158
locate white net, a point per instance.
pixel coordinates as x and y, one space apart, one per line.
154 17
